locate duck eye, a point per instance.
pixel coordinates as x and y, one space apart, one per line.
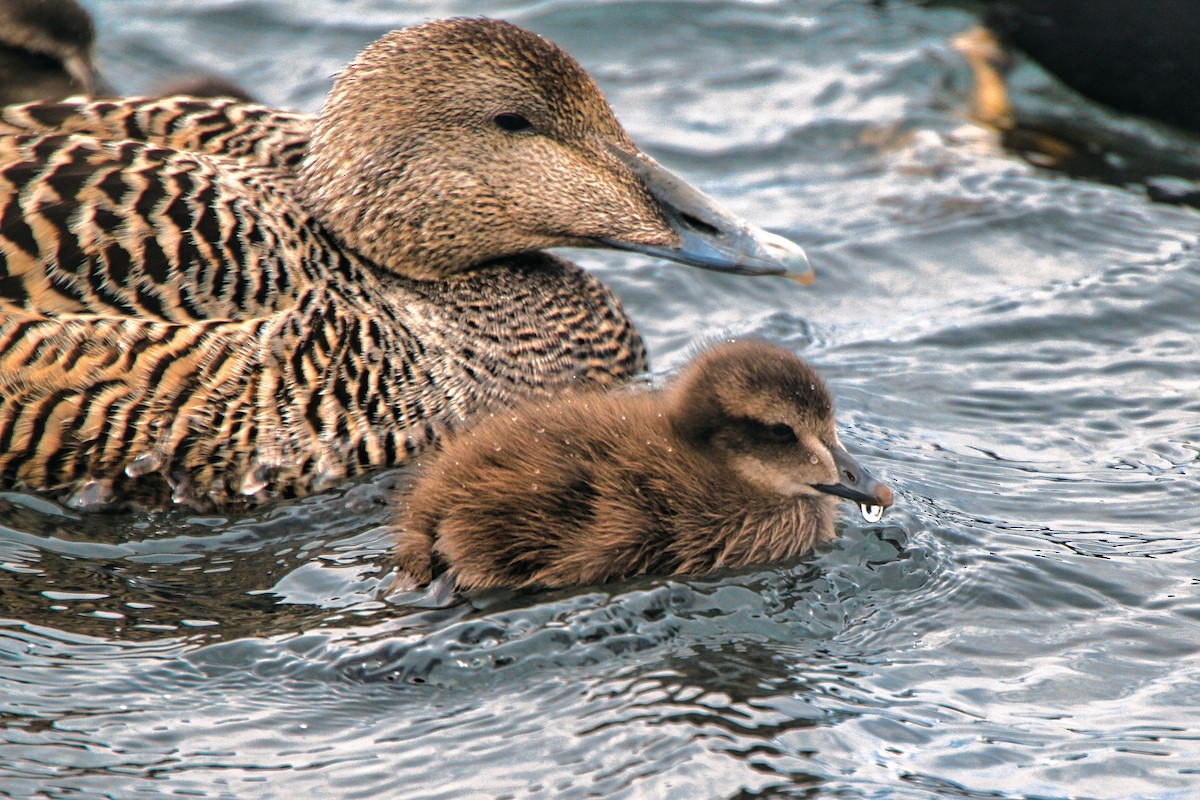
512 122
782 432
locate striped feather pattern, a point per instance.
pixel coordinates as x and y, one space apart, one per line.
174 324
253 134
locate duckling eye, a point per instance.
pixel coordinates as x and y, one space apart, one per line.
779 433
512 122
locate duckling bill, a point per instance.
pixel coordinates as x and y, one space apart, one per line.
736 462
217 302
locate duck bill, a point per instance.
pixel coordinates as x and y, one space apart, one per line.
79 69
710 236
855 483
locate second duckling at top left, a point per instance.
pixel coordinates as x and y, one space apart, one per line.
736 462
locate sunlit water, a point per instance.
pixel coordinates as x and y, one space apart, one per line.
1015 351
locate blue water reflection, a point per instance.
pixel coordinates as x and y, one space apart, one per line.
1014 350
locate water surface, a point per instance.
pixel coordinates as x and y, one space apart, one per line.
1014 350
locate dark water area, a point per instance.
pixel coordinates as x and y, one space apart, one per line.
1016 351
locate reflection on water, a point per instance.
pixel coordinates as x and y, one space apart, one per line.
1012 349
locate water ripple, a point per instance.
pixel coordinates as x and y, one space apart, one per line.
1012 349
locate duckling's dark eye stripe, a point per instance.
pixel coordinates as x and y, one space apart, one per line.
512 122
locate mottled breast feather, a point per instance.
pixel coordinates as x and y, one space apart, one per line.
173 323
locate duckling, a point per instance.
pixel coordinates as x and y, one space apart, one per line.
47 53
218 303
45 50
736 462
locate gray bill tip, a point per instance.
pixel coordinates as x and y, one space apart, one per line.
789 255
710 236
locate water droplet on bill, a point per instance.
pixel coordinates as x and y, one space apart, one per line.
870 513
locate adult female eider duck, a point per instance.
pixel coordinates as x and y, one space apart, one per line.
736 462
215 301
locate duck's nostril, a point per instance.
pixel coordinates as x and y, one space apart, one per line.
851 478
697 224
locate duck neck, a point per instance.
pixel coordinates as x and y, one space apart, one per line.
537 321
370 211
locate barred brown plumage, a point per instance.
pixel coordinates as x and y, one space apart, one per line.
215 301
255 135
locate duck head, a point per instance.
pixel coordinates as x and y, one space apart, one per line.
766 413
456 142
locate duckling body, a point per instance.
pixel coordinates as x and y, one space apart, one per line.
216 301
736 462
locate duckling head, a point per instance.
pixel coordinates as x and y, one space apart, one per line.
58 31
767 415
456 142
